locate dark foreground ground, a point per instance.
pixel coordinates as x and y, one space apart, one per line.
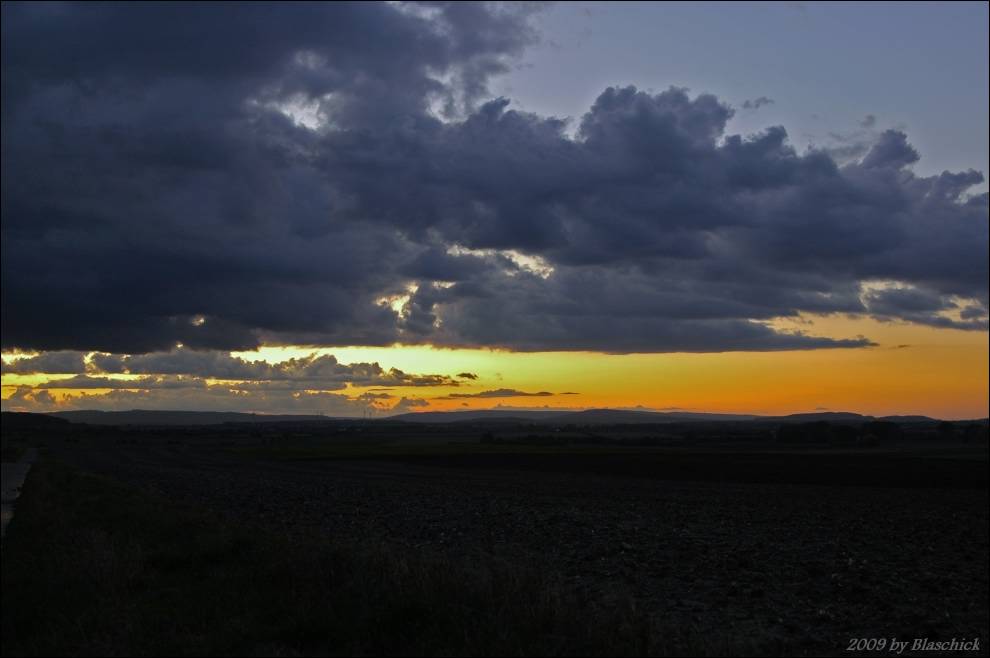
497 549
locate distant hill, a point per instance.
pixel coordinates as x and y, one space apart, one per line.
833 416
633 417
14 420
501 415
549 416
586 417
143 417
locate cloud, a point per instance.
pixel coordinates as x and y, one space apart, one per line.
891 150
319 370
757 103
923 307
208 398
406 405
169 380
496 393
322 371
61 362
332 174
173 392
141 383
467 375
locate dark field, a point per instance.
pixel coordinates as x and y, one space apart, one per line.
923 467
495 540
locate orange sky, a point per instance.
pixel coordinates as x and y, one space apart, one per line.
913 369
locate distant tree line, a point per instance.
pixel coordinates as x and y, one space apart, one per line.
876 431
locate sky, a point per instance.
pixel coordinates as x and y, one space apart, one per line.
822 68
376 208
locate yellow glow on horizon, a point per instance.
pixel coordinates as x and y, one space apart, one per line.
913 369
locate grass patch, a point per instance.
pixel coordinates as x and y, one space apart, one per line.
93 567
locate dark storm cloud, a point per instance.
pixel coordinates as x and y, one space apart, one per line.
163 183
62 362
377 59
177 194
891 150
923 307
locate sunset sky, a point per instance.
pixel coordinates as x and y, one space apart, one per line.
378 208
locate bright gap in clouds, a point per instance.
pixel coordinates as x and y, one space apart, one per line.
912 369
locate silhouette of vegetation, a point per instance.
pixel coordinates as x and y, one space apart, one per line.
882 430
